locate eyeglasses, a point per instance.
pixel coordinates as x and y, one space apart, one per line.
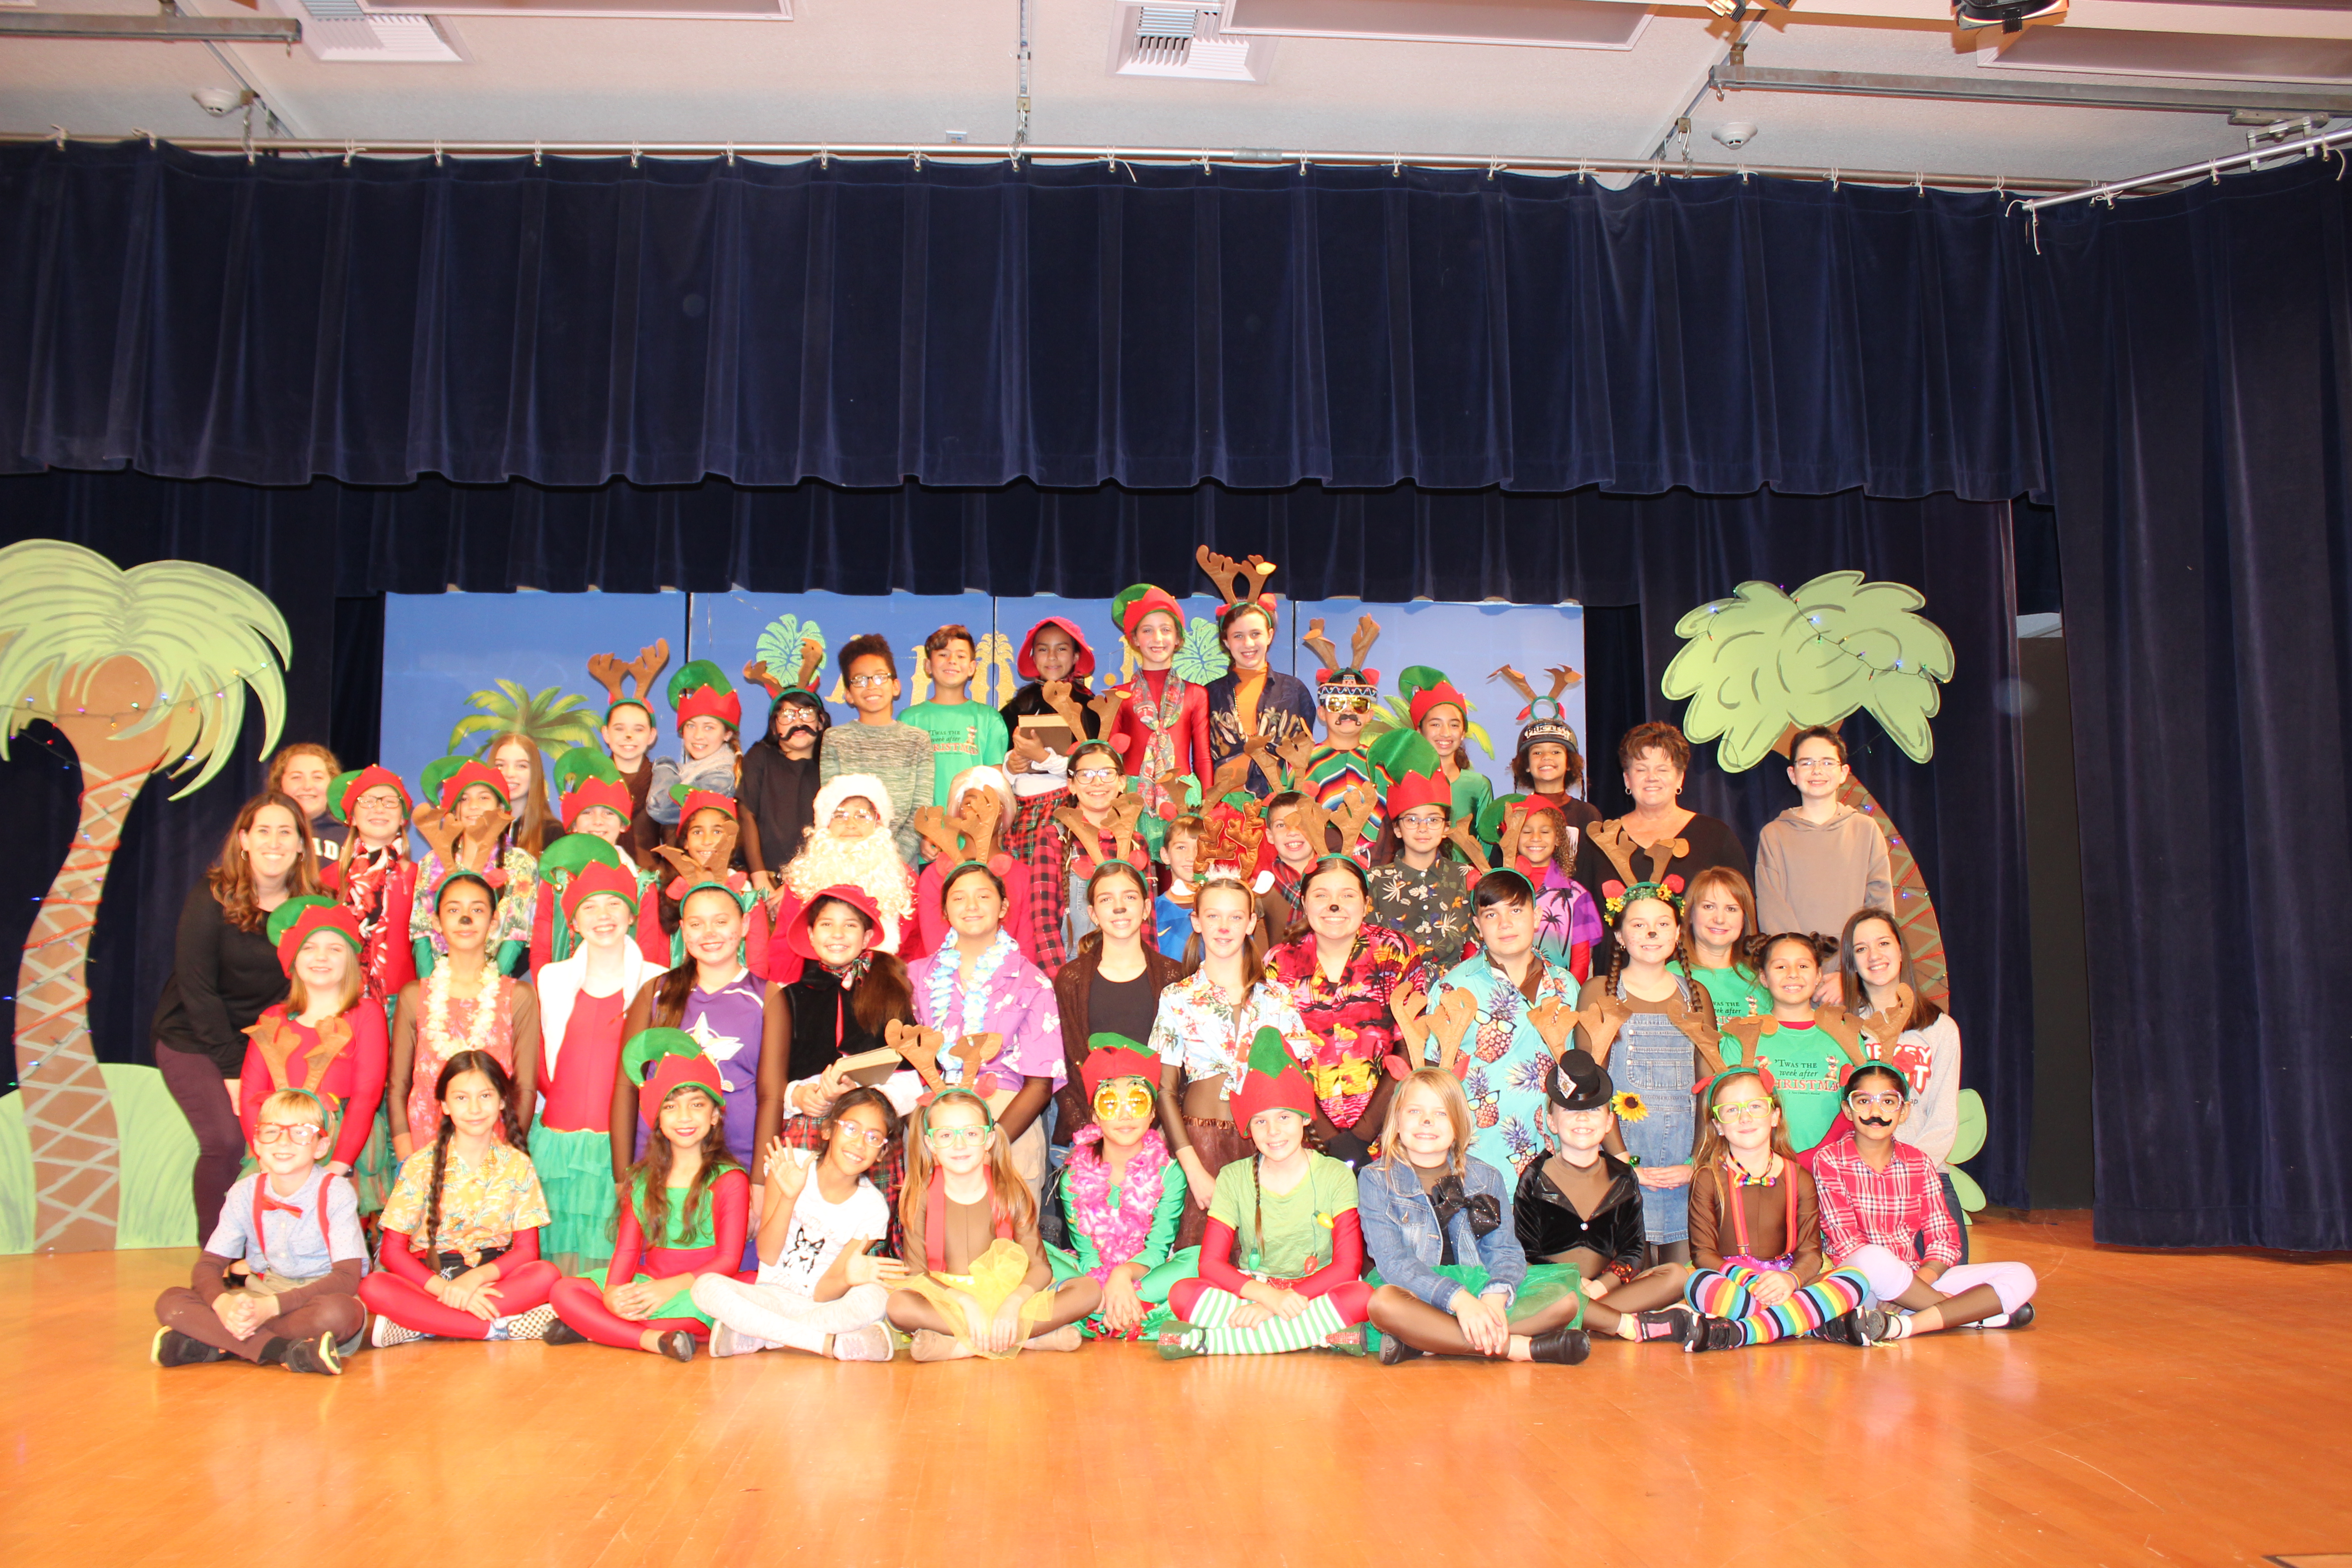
1095 776
1817 764
1132 1097
874 1136
1421 819
296 1132
1886 1101
1739 1110
858 813
867 682
954 1137
1347 704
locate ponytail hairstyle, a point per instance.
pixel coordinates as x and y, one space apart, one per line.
1008 1193
1759 948
1714 1150
1254 945
456 1066
1090 944
647 1182
677 984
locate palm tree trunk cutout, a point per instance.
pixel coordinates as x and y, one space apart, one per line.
68 1115
1762 665
141 671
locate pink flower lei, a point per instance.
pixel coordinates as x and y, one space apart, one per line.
1118 1234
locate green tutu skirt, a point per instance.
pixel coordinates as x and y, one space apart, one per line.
575 1172
376 1170
1152 1287
1545 1284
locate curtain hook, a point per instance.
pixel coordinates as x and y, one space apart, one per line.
1833 180
1919 184
2035 216
537 153
138 130
1657 171
824 156
730 155
437 151
61 136
1583 170
1493 166
1396 168
350 147
917 155
635 150
1302 166
1204 161
1743 173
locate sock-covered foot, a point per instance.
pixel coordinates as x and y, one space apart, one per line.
931 1345
1181 1340
172 1348
872 1343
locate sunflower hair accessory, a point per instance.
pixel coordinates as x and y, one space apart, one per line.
1616 895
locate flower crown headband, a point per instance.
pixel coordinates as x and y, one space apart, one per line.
1616 895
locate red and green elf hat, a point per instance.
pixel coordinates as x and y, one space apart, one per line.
1112 1057
345 792
660 1062
599 877
700 689
1133 604
1405 767
584 776
450 777
1272 1081
293 922
1424 688
690 801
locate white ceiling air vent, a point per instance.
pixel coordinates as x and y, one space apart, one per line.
1185 41
339 33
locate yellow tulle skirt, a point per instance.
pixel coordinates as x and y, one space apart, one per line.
995 1275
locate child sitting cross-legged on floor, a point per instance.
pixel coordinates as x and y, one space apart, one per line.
818 1290
297 1229
1284 1249
461 1230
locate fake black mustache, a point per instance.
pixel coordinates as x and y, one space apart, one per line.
1878 1121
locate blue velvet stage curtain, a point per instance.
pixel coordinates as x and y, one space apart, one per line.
1963 816
2198 372
866 323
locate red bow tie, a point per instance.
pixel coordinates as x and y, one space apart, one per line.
268 1203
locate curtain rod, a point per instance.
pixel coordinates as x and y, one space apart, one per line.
963 151
2306 147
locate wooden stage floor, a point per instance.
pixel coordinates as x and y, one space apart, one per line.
2166 1409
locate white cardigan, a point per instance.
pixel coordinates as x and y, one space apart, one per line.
559 985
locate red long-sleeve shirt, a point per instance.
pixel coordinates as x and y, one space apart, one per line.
355 1078
1347 1265
730 1214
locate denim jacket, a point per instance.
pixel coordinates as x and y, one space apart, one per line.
1400 1230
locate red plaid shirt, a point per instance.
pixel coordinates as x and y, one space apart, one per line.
1042 845
1896 1208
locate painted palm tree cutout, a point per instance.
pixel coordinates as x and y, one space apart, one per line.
1762 665
143 671
552 719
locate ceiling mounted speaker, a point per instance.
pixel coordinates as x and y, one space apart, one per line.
2009 15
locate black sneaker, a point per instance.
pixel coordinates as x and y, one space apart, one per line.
560 1332
1394 1350
1675 1323
1560 1347
1860 1328
678 1345
172 1348
1715 1334
318 1355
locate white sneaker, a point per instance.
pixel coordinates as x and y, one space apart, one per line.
872 1343
725 1341
386 1333
530 1325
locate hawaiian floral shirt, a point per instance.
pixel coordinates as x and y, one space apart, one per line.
1349 1016
1505 1082
1199 1029
482 1206
1432 906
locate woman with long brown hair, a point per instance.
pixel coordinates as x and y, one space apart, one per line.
225 971
517 758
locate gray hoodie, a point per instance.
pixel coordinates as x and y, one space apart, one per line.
1812 876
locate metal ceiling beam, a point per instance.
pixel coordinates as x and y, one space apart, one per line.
2059 94
159 28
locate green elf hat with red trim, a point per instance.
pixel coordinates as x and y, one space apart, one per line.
690 801
1424 688
1133 604
660 1062
294 923
584 776
450 777
345 794
594 878
1405 767
1272 1081
1113 1056
700 689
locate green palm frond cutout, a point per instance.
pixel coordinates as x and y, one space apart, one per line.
1203 657
1762 661
780 644
551 718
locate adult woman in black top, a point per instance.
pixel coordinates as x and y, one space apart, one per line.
1657 838
778 784
847 996
223 972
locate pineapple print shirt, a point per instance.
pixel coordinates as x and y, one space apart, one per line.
1504 1080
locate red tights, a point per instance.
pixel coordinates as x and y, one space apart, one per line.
581 1303
521 1289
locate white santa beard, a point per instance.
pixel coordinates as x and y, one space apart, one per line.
870 864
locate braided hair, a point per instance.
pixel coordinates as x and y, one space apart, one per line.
464 1062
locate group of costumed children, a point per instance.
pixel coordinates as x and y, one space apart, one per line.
1001 1031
